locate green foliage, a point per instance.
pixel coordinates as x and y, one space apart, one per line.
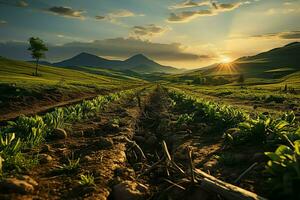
263 129
87 180
275 98
31 131
37 48
9 145
284 169
71 166
184 119
115 122
222 116
54 119
11 157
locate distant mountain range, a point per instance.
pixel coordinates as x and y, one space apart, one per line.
137 63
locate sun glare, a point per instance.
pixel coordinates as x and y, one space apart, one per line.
225 60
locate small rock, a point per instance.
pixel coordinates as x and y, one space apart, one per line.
28 179
129 190
45 158
24 185
59 133
87 158
105 143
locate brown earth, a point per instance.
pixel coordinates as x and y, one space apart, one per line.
100 146
129 160
13 106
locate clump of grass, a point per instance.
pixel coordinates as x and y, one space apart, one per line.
87 180
71 166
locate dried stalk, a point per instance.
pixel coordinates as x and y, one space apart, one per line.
173 184
137 146
245 172
190 156
226 190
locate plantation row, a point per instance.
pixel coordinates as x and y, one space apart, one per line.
29 132
239 128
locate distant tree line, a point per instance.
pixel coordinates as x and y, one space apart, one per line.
210 80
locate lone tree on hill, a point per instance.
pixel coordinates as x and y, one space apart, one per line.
38 49
241 80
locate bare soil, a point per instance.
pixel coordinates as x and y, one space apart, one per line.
12 106
133 152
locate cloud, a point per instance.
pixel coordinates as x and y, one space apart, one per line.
215 9
149 30
288 35
98 17
190 4
66 12
189 15
223 7
20 3
117 47
116 15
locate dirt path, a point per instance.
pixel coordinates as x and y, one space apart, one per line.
98 143
36 106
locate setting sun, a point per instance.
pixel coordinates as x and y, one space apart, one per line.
225 60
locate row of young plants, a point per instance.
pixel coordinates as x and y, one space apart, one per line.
239 128
29 132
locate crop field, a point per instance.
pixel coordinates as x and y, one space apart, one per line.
262 98
159 142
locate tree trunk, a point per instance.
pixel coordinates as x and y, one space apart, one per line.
36 67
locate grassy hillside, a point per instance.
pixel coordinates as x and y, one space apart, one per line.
272 66
20 89
21 74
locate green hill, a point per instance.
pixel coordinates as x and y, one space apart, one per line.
21 74
20 89
267 67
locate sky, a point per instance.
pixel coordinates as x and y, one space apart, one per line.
180 33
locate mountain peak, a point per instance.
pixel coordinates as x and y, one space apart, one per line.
138 57
138 63
85 54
